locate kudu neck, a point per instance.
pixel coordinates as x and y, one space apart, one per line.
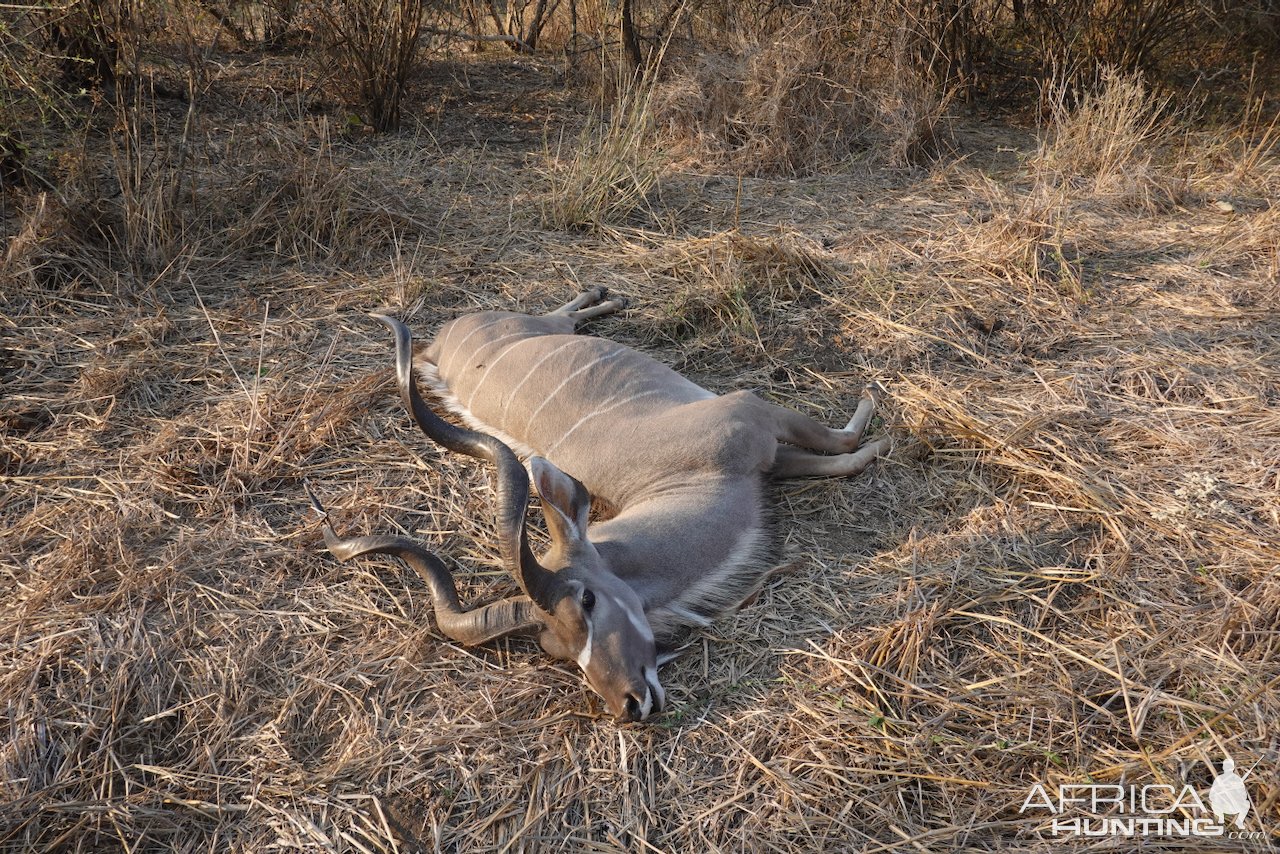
657 544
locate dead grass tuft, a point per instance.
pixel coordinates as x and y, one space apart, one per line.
611 170
728 285
372 45
294 195
809 94
774 107
1114 144
1028 240
309 200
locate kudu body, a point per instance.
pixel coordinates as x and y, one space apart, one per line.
682 469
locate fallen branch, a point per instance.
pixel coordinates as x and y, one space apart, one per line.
224 20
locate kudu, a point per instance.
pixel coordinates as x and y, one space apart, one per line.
681 468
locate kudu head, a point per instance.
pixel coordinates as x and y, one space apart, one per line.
598 620
579 609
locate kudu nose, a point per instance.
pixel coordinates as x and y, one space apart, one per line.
633 710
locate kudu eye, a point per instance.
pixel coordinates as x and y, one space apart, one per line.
588 600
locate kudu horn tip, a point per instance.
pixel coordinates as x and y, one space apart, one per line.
338 547
315 502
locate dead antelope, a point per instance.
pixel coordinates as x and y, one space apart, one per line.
681 468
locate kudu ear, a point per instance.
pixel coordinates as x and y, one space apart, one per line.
565 501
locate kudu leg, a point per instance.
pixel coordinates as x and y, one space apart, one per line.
589 304
589 297
801 430
797 462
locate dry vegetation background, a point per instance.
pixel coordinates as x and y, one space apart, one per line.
1049 229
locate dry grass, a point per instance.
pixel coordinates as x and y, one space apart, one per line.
725 287
1114 144
771 107
813 91
1067 572
371 47
611 170
1026 239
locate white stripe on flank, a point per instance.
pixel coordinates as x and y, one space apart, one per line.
512 394
431 376
599 411
588 366
452 324
467 337
584 657
523 336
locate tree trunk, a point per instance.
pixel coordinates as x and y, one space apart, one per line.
535 26
630 41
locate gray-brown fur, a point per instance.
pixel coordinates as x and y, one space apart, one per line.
682 468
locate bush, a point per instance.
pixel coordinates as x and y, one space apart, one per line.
90 37
1109 144
373 44
809 92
